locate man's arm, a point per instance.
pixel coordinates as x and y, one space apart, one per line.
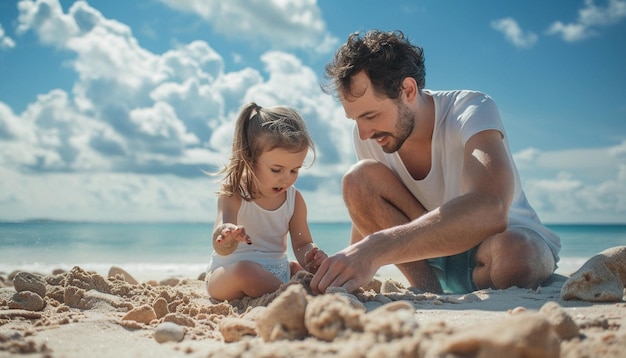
457 226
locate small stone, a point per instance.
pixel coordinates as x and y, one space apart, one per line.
172 281
169 332
391 286
115 271
179 319
142 314
26 300
58 271
26 281
160 307
233 329
517 310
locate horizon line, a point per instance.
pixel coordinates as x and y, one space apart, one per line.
80 221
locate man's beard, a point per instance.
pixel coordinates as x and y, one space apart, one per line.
404 128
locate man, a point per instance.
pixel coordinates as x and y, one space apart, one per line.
436 191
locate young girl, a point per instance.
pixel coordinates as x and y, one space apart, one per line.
258 206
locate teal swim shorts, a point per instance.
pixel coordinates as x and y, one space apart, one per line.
455 272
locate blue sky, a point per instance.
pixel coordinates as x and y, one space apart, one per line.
112 112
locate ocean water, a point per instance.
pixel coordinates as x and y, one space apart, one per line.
159 250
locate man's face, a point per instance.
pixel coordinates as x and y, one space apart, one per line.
387 121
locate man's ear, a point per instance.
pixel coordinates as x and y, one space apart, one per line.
409 89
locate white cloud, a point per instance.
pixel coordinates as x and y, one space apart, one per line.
51 135
132 138
5 41
580 185
105 197
514 33
589 164
48 20
192 101
161 124
589 18
195 60
281 23
136 95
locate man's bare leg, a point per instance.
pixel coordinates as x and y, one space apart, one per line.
420 276
516 257
376 199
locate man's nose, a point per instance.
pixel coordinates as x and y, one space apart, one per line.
364 131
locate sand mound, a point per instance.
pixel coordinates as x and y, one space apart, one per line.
602 278
74 313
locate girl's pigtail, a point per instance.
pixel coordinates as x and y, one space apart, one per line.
242 153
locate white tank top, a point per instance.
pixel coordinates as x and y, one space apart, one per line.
268 230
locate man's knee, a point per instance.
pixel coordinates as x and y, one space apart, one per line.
519 258
362 171
362 177
516 272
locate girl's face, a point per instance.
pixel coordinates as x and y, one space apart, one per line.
276 170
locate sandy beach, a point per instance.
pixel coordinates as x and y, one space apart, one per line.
79 313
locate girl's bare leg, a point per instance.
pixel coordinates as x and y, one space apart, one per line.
244 278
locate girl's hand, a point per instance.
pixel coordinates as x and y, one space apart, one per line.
313 259
226 237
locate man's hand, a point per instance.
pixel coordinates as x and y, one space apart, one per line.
226 237
345 269
313 259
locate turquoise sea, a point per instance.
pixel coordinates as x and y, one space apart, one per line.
159 250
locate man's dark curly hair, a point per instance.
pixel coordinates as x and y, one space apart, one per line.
386 57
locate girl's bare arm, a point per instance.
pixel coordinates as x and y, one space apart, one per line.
308 254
